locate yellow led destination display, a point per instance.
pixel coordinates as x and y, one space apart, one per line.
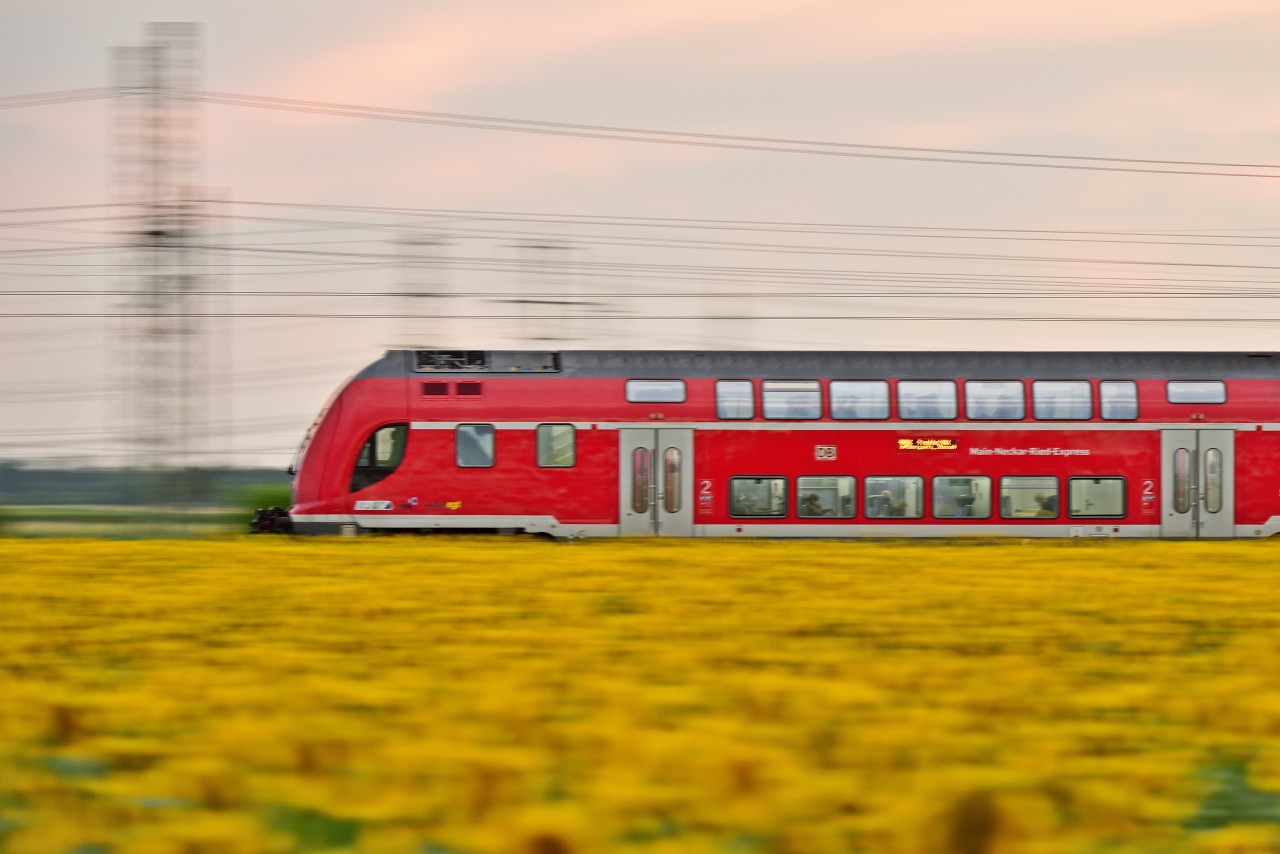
928 445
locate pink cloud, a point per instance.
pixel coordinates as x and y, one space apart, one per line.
855 34
439 53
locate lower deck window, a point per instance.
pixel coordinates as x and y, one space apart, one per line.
557 445
1028 497
1095 497
758 496
968 496
830 496
898 497
380 455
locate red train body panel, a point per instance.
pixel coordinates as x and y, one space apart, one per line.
595 443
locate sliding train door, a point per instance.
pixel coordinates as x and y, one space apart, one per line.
1198 494
656 468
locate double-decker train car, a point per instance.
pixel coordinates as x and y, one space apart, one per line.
798 444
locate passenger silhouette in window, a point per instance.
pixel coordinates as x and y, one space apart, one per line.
884 505
812 506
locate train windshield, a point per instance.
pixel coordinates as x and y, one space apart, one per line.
296 463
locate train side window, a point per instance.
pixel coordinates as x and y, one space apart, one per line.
792 399
435 388
641 473
655 391
830 496
475 446
1206 391
1095 497
757 496
672 478
859 400
1119 399
1213 480
380 455
557 445
994 401
1062 400
896 497
1028 497
966 496
1182 481
735 400
926 400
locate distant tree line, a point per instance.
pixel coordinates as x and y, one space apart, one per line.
163 487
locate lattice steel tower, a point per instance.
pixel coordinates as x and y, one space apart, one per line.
157 165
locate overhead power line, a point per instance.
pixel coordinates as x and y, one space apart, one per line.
1263 290
779 145
65 96
646 318
740 142
689 222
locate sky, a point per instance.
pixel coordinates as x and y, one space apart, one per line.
994 174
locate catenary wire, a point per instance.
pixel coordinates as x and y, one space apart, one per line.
730 141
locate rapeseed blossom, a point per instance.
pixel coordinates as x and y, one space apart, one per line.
506 696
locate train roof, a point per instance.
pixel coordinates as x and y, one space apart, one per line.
802 364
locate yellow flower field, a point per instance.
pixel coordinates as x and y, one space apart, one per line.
514 696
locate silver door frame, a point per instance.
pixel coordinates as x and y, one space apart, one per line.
1198 520
655 519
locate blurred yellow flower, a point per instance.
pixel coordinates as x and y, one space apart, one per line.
501 696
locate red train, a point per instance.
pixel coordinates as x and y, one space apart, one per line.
798 444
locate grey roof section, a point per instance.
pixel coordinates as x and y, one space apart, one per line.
670 364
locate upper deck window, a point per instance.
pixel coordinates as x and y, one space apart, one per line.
798 399
1119 399
474 446
994 401
735 400
655 391
859 400
1203 391
451 360
1062 400
926 399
